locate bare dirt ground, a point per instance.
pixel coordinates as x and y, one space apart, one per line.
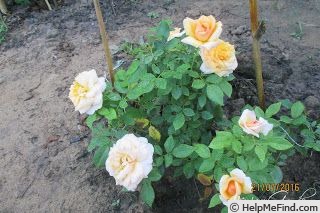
44 165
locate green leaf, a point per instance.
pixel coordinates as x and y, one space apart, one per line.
133 67
188 112
198 84
223 139
273 109
147 193
188 170
168 158
226 88
178 121
202 150
114 96
224 210
217 173
206 115
157 150
123 104
215 200
169 144
202 100
108 113
91 119
297 109
158 161
236 146
214 79
154 175
182 151
276 174
161 83
255 164
278 143
285 119
259 112
242 163
163 30
155 69
207 165
215 94
100 156
176 93
261 151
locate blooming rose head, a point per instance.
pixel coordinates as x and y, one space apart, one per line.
175 33
231 187
86 92
249 123
130 160
218 57
202 30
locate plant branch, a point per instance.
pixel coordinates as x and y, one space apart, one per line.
3 7
256 50
104 38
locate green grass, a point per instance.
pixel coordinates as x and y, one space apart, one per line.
3 30
22 2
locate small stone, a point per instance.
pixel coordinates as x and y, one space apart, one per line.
240 30
312 102
53 138
75 139
2 80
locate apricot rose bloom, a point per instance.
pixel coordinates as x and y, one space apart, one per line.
130 161
249 123
218 57
202 30
175 33
86 92
231 187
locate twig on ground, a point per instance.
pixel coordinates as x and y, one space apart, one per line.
48 4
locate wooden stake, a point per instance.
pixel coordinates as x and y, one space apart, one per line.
105 39
256 50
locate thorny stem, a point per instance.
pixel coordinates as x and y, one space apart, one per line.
256 51
105 39
290 136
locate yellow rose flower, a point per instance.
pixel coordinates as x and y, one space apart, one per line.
231 187
218 57
249 123
202 30
130 160
175 33
86 92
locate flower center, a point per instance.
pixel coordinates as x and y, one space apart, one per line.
223 51
252 123
203 31
79 90
231 190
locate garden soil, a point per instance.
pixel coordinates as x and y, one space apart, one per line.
44 165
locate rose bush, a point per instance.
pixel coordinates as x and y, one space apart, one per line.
166 110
